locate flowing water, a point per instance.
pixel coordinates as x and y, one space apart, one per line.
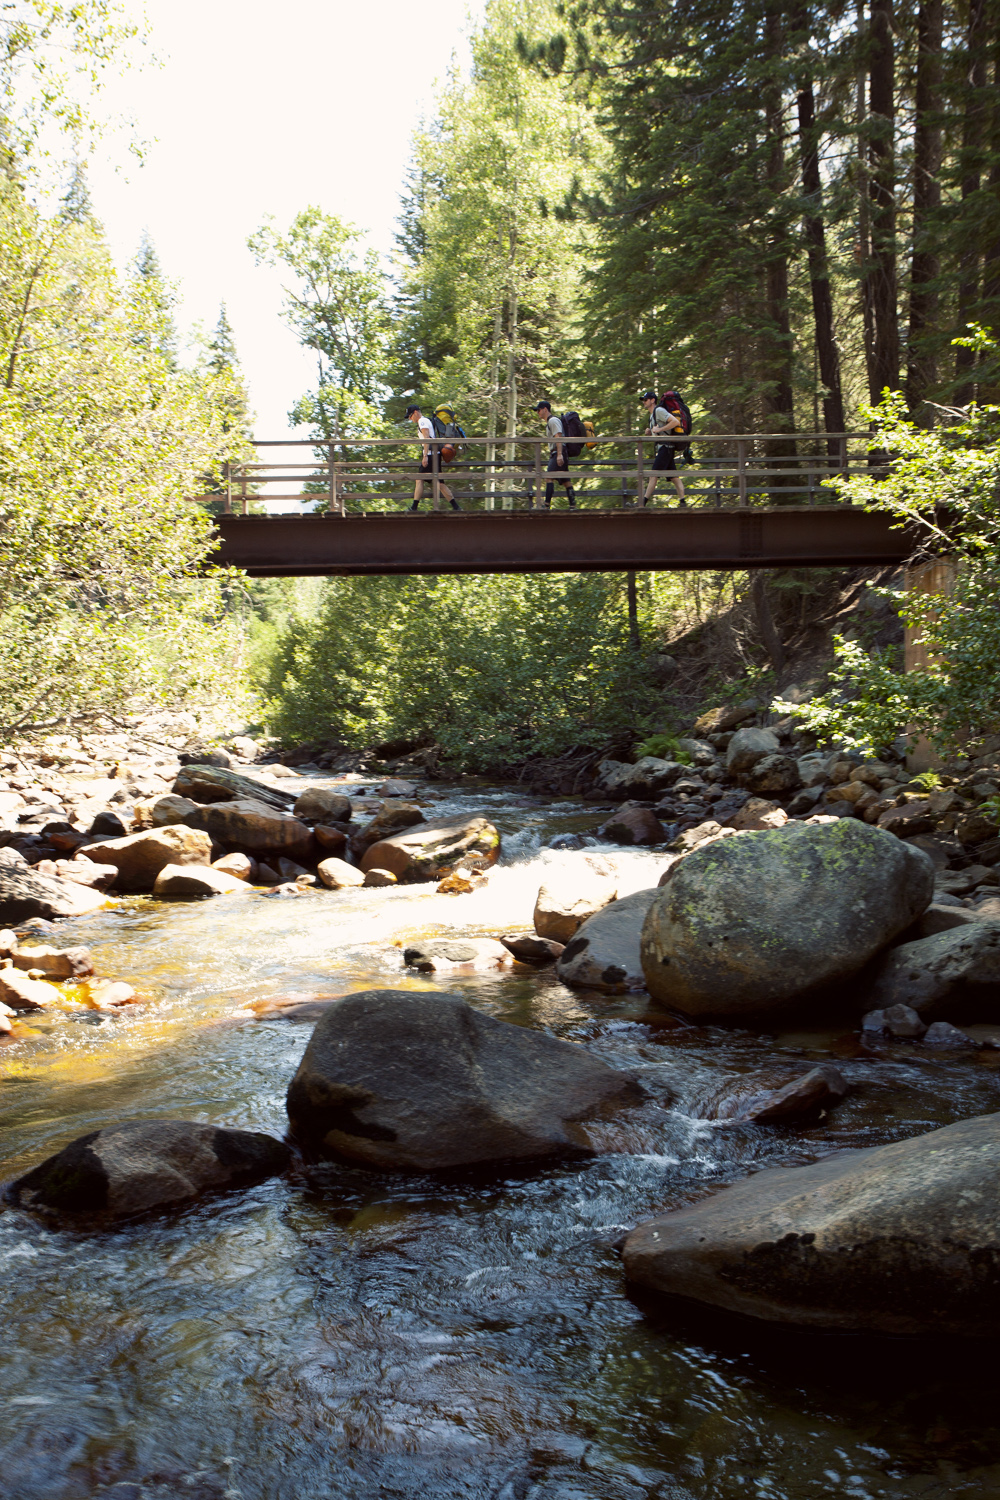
341 1333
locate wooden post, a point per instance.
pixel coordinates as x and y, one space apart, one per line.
741 470
640 470
243 491
843 454
539 482
228 505
436 474
331 504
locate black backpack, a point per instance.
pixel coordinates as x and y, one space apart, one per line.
445 426
573 427
674 403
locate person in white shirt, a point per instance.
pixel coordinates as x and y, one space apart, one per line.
664 462
558 457
425 427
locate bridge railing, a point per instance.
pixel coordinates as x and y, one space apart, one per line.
373 475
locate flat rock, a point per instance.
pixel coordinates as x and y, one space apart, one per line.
755 1100
646 779
319 804
951 976
440 954
143 1164
23 894
195 883
205 784
396 788
429 851
719 720
899 1239
55 963
939 918
417 1081
255 829
19 991
338 875
139 857
533 950
604 953
751 923
570 895
378 879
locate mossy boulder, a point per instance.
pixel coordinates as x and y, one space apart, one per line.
755 922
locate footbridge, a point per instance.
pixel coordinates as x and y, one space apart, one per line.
752 501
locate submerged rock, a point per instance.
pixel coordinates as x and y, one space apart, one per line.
899 1239
435 954
604 953
417 1081
533 950
143 1164
750 923
430 851
757 1100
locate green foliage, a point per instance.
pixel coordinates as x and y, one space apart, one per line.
990 808
104 605
496 669
664 747
945 485
929 781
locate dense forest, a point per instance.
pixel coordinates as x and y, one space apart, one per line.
783 210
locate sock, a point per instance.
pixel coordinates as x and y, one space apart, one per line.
570 495
548 494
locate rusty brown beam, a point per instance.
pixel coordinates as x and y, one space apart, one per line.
558 541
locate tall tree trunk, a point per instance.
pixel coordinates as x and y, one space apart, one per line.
991 268
765 621
512 312
921 372
779 398
973 134
883 368
864 245
815 237
633 612
491 416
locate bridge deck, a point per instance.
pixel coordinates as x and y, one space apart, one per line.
559 541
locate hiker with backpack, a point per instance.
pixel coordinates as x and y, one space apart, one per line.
666 415
425 427
560 452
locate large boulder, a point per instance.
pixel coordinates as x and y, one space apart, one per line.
950 976
143 1164
750 923
418 1080
392 817
195 883
20 991
899 1239
320 804
645 780
139 857
216 784
772 774
747 747
604 953
572 894
718 720
338 875
24 894
255 829
432 850
633 825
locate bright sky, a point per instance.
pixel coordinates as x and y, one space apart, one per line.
262 109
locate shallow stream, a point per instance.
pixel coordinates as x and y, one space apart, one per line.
346 1334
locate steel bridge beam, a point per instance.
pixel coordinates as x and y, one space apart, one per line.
559 541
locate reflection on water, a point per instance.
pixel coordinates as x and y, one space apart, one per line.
346 1334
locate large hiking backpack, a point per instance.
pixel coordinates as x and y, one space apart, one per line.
674 403
573 427
445 426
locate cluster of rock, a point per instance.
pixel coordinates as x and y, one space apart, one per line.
391 1079
31 973
213 831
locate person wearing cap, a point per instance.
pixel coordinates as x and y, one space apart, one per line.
662 422
558 457
426 429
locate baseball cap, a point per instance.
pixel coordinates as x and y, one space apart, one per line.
411 409
649 396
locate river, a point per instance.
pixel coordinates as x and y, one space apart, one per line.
340 1333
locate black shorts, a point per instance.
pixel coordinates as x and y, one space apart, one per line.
555 467
427 465
664 460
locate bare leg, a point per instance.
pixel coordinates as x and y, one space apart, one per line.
679 487
650 490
